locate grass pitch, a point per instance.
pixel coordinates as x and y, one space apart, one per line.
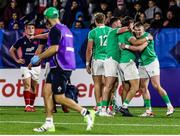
14 121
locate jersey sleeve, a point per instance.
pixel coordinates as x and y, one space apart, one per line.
55 36
91 36
129 36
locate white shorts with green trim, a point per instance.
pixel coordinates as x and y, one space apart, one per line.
149 70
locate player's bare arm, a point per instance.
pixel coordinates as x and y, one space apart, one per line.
88 56
138 42
46 54
135 48
49 52
39 49
40 36
122 30
13 55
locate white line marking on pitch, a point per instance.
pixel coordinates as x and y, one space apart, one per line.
98 124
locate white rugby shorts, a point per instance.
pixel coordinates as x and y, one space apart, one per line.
149 70
129 70
34 73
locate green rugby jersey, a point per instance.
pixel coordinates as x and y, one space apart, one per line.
148 55
99 37
112 48
126 55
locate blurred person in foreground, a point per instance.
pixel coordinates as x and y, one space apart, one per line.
62 62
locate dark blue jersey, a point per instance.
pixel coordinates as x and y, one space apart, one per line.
28 48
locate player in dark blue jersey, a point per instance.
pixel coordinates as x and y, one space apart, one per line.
29 48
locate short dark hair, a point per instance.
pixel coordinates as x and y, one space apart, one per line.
114 19
27 22
100 18
138 24
152 1
126 21
157 13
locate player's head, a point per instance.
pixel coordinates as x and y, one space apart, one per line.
138 29
128 21
115 22
30 28
99 18
51 14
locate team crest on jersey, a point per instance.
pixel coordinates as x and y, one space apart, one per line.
30 49
59 89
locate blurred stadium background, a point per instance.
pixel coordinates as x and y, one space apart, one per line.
78 16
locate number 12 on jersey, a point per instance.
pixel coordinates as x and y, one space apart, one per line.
103 40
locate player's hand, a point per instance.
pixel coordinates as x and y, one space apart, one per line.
20 61
123 46
123 30
88 69
30 66
150 37
35 60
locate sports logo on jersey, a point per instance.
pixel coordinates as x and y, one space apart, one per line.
59 89
30 49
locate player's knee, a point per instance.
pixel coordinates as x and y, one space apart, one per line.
143 89
156 86
109 87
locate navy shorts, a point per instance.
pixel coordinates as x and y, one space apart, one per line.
59 79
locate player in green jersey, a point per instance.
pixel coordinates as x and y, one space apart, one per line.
149 70
111 64
96 49
127 63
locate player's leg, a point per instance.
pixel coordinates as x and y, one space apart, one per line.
35 74
125 90
48 102
26 78
134 86
155 80
153 71
27 94
112 98
34 88
59 89
131 74
98 87
98 79
89 115
144 82
109 84
110 68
